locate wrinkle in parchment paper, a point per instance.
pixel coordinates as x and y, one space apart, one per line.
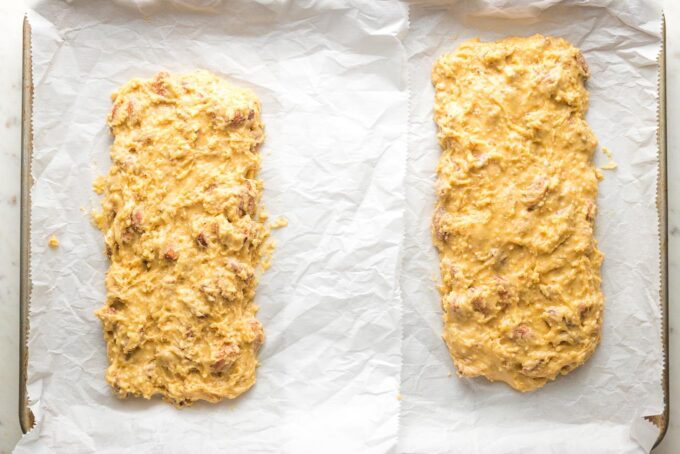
331 78
599 407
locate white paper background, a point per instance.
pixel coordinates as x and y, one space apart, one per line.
598 407
332 78
333 86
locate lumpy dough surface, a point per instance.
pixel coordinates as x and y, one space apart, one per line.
513 224
185 238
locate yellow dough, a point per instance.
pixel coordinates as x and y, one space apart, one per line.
53 242
513 224
185 239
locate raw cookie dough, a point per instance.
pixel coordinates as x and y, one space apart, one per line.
513 224
185 240
53 242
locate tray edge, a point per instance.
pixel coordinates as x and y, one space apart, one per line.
662 421
26 418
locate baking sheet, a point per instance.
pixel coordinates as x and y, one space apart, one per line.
335 110
600 407
312 436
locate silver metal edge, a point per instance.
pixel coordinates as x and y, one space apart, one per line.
662 421
26 419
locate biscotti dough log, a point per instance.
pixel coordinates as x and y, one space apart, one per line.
513 224
185 238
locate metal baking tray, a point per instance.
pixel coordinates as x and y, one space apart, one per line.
26 417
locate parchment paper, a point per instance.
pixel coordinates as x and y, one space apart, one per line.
599 407
332 82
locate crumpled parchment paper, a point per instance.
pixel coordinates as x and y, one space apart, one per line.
351 293
599 407
332 82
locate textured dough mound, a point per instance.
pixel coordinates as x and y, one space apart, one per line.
185 238
516 203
